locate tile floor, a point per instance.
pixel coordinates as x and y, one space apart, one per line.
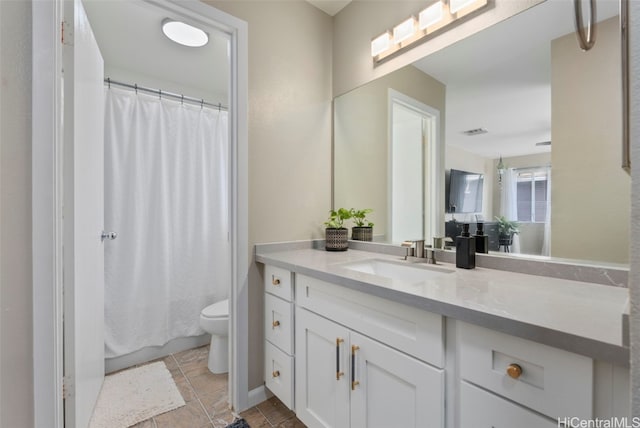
205 395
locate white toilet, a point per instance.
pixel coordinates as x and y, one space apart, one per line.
214 319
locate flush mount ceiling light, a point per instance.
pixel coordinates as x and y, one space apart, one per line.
431 20
184 34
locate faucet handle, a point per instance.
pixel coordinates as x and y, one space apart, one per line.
418 245
409 246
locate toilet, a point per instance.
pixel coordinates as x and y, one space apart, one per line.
214 319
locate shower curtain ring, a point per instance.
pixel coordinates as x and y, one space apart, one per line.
135 85
109 82
159 93
202 103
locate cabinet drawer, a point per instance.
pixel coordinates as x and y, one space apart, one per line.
553 382
405 328
278 323
481 409
278 371
277 281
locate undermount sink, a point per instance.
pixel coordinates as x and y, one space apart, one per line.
396 270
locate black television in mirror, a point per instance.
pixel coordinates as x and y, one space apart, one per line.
463 191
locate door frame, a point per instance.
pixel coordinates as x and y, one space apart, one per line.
47 200
433 161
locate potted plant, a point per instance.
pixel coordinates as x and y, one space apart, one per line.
363 229
336 235
506 230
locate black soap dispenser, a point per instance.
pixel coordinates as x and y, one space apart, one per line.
465 249
482 240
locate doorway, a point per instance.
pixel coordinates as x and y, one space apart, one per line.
415 169
48 182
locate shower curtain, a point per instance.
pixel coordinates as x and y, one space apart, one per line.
167 197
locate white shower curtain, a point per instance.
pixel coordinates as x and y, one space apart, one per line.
167 197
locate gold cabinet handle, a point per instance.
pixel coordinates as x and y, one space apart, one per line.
275 324
354 382
274 280
514 370
276 373
339 374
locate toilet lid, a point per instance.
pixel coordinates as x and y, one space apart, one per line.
217 310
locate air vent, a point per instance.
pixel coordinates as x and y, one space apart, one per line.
544 143
477 131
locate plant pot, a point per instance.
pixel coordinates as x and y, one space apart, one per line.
336 239
505 239
362 233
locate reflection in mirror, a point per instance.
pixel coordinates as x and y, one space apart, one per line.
551 113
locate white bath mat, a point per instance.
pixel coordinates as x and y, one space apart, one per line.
134 395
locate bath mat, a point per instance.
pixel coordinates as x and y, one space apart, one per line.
135 395
238 423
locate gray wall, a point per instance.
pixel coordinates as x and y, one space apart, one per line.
16 349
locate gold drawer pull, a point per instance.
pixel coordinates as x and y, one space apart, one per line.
339 374
354 382
275 324
276 373
514 370
274 280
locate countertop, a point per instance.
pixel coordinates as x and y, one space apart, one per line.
580 317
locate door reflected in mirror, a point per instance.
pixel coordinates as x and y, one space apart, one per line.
517 91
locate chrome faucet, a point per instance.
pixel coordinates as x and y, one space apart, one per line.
416 248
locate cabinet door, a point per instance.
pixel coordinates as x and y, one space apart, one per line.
322 377
392 389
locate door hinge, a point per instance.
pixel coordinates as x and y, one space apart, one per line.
67 387
66 33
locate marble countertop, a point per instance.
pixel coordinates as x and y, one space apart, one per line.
580 317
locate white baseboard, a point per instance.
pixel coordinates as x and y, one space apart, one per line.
258 395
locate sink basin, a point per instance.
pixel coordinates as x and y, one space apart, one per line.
394 270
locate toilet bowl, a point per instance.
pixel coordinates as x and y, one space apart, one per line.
214 319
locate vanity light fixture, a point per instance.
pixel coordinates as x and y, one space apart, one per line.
438 15
380 44
184 34
456 5
431 15
404 30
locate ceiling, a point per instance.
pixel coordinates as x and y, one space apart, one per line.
500 79
331 7
133 46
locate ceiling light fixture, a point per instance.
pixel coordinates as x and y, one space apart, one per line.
184 34
430 21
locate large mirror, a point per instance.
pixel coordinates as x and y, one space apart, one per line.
517 105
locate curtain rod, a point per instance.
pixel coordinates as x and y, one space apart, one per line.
162 93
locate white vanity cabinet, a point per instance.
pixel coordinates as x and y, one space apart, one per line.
345 379
348 358
278 333
358 360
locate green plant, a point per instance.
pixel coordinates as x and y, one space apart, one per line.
337 218
360 217
507 227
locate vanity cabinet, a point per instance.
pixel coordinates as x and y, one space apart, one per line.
345 358
345 379
278 333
